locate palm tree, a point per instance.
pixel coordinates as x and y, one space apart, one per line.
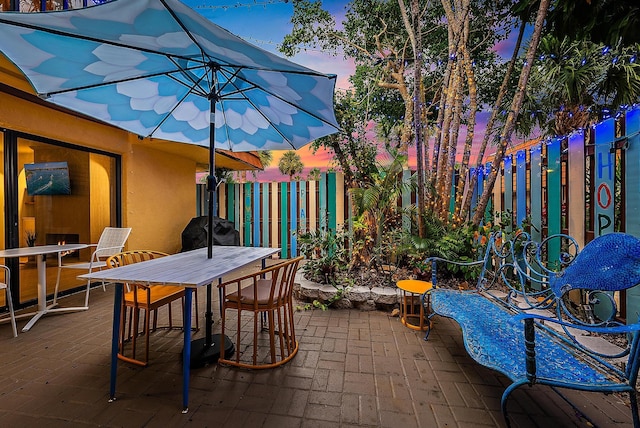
376 207
577 79
266 157
290 164
314 174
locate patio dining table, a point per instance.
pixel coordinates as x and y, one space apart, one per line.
190 269
40 252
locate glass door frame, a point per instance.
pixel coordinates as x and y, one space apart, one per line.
11 220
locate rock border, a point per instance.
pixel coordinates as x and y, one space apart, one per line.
360 297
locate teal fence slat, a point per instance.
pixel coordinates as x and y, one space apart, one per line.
406 201
247 215
632 201
632 173
256 214
237 203
331 201
632 122
632 186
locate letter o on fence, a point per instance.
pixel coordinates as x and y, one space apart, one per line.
604 196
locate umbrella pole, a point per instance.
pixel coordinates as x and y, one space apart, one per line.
211 191
208 349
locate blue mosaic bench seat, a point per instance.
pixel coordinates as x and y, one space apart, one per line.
529 322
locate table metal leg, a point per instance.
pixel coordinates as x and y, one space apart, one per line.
42 282
186 356
43 309
41 264
117 316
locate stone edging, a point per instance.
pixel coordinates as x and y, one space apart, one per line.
365 298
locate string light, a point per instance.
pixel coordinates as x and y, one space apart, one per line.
606 50
264 3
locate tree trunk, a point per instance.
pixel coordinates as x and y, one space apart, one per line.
413 29
471 123
447 182
509 125
466 204
446 137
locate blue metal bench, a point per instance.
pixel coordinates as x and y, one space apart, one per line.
526 316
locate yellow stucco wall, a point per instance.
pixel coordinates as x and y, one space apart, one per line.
159 198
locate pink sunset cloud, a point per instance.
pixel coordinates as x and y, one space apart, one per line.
323 160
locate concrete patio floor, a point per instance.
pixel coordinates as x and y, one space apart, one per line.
353 369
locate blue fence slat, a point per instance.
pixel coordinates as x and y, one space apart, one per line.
488 212
508 185
521 187
554 203
474 191
536 192
294 219
284 221
604 177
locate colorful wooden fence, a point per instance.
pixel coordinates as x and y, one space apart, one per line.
271 214
585 184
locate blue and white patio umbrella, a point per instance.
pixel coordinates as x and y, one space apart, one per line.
159 69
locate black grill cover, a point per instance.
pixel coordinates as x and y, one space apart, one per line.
195 234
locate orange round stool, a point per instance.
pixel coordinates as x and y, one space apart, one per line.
412 289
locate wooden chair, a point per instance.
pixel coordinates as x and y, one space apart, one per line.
9 302
266 294
111 242
143 297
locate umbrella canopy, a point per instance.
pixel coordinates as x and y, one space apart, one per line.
156 67
159 69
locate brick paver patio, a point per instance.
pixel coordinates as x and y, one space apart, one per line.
353 369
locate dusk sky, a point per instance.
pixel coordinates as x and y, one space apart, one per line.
265 23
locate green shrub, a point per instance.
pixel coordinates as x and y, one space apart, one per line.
325 255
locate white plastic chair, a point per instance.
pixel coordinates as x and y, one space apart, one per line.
111 242
5 286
